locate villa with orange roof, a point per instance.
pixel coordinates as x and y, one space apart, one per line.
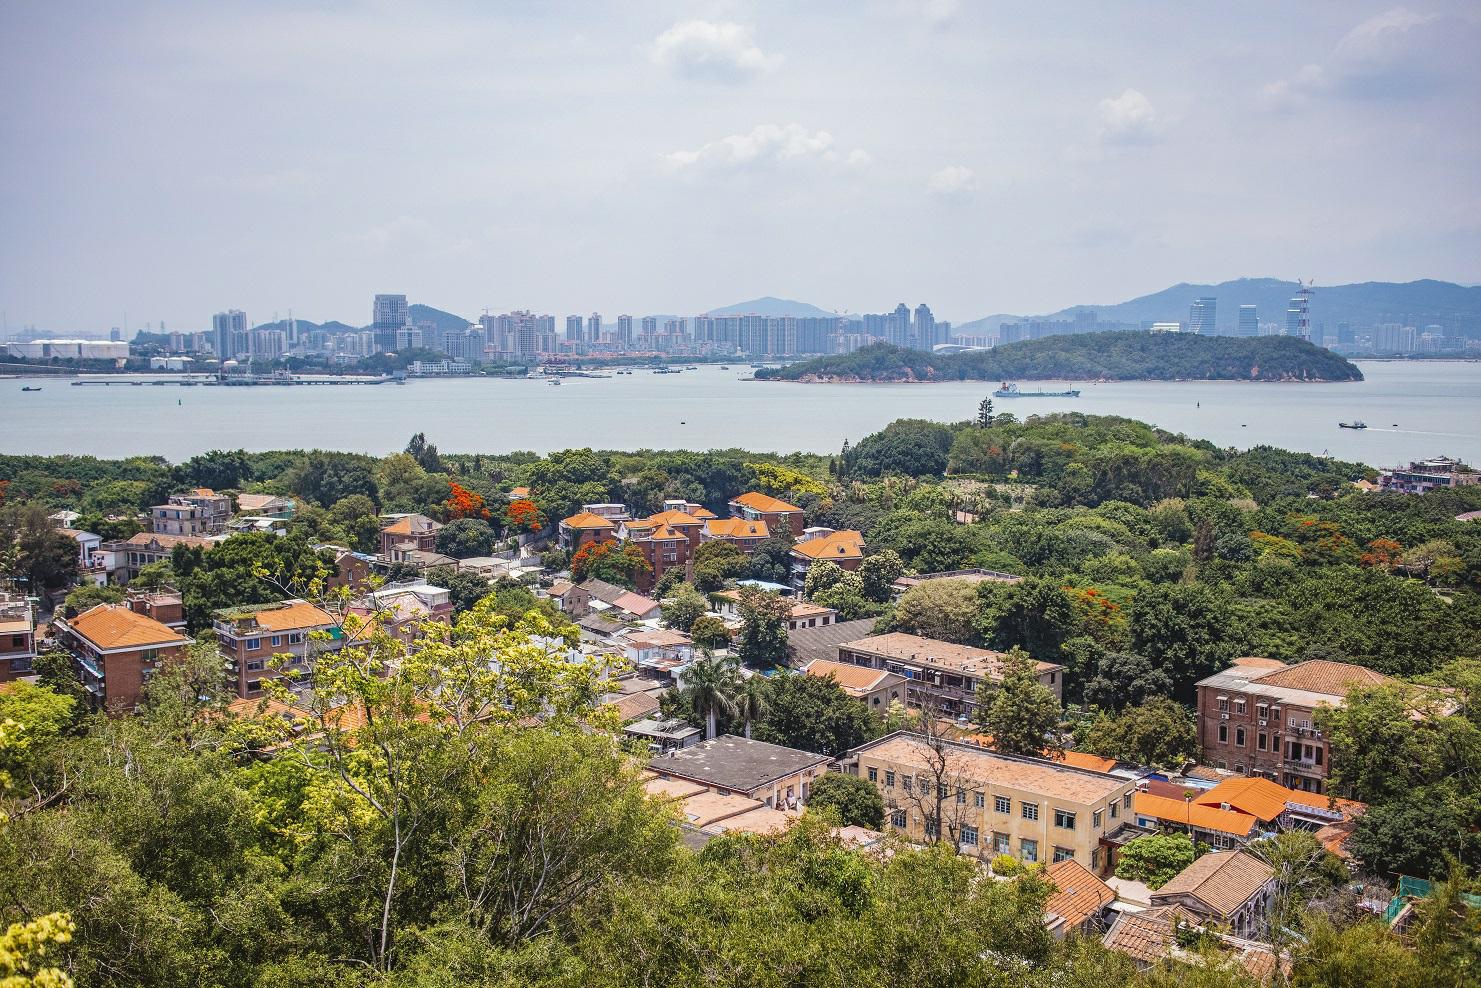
875 688
666 540
583 528
115 651
1257 717
744 534
778 514
409 532
845 548
249 637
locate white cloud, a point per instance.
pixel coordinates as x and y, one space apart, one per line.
765 145
1398 53
711 50
1128 119
953 181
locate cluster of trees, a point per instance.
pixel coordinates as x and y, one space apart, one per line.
1116 356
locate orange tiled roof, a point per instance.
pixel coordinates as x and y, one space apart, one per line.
1255 662
1083 759
674 518
757 501
1081 894
737 528
585 519
110 626
412 525
520 491
1221 880
1323 676
1193 815
299 614
847 544
1260 798
846 674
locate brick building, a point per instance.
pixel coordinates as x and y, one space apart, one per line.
844 548
115 651
17 637
781 516
942 675
1257 717
250 636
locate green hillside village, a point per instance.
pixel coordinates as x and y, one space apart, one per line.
1063 700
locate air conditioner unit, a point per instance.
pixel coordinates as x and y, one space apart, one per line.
1223 716
1262 723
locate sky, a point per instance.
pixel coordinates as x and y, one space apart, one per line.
166 160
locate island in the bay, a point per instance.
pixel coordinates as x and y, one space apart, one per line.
1117 356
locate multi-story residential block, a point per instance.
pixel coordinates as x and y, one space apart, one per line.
667 541
941 676
129 556
776 775
249 638
875 688
781 516
17 637
198 512
265 506
844 548
402 608
115 651
1426 475
162 604
987 803
1258 717
410 531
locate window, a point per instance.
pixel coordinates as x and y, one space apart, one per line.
931 828
873 774
1223 733
961 797
1239 736
295 638
1064 819
1028 850
254 643
1063 853
1261 740
1002 844
889 778
1126 801
905 783
969 836
1239 706
897 818
1318 755
1223 704
1030 811
1095 818
254 665
979 800
1115 809
277 640
1262 710
1002 804
940 790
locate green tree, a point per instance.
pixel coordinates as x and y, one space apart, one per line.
709 632
465 537
1125 679
821 576
1160 733
752 699
847 597
1185 630
710 686
879 571
984 414
90 595
1154 859
856 801
716 563
1020 713
683 606
814 714
40 555
1035 615
945 610
762 641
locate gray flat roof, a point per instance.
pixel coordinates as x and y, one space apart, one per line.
732 762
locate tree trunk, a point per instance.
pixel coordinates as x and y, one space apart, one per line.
710 724
748 729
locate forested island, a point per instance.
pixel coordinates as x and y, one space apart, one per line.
1120 356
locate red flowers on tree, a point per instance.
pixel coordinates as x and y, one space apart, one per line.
610 561
525 515
463 503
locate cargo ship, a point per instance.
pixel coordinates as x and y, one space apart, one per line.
1355 424
1011 391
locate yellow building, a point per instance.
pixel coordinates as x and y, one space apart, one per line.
988 803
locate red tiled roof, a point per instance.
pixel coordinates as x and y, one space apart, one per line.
757 501
110 626
1323 676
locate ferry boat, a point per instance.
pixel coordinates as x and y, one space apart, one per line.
1355 424
1011 391
555 382
29 388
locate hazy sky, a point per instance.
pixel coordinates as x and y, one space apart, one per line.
172 159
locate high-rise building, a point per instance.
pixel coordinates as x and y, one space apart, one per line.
898 332
1201 316
925 327
625 332
573 329
1345 335
1249 321
594 328
389 316
228 330
115 335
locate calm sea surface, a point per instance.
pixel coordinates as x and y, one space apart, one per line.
1413 410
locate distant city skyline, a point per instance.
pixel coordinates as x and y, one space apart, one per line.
660 158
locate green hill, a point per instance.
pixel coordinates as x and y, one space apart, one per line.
1124 356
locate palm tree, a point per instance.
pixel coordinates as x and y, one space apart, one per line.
751 701
711 684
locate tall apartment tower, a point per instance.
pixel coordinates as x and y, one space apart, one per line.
899 327
573 329
1201 316
925 327
594 328
228 329
389 316
625 332
1249 322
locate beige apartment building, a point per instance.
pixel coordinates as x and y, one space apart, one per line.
942 675
990 803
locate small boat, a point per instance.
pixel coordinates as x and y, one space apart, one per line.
555 382
725 367
1356 424
1011 391
29 388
